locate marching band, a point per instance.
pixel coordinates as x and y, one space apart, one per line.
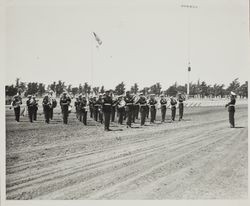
103 107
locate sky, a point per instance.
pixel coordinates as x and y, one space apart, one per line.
144 41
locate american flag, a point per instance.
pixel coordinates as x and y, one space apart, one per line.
97 38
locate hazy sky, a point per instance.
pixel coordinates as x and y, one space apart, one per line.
144 41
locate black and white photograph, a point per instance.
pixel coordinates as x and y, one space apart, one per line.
125 100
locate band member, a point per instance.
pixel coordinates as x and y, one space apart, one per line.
65 102
30 107
173 103
91 107
120 109
231 109
163 103
113 109
147 108
152 103
134 106
98 109
181 99
17 101
77 102
143 108
47 108
129 107
136 110
83 110
107 106
53 101
35 107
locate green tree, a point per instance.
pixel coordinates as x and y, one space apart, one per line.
134 89
145 90
155 89
41 89
243 90
172 90
120 89
233 86
75 90
10 90
60 87
32 88
102 89
96 90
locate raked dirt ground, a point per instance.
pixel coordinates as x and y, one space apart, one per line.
197 158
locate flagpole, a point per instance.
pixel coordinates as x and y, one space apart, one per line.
92 62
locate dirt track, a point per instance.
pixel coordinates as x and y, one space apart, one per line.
198 158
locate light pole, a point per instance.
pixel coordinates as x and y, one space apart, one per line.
188 6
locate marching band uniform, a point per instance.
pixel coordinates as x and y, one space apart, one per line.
152 103
29 104
113 110
17 101
46 108
181 106
91 106
173 103
163 103
107 106
231 109
83 110
143 109
54 103
120 110
77 102
65 102
129 108
35 108
98 109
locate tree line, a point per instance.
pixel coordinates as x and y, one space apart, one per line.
199 89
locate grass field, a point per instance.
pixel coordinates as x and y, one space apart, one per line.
197 158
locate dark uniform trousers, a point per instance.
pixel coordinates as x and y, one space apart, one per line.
65 113
106 108
173 112
17 113
137 109
231 111
147 111
129 115
96 108
121 113
46 110
163 112
35 113
113 113
91 109
143 111
51 113
83 116
152 114
107 120
30 113
181 107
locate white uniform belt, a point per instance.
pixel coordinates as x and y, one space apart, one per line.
107 104
231 105
129 103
